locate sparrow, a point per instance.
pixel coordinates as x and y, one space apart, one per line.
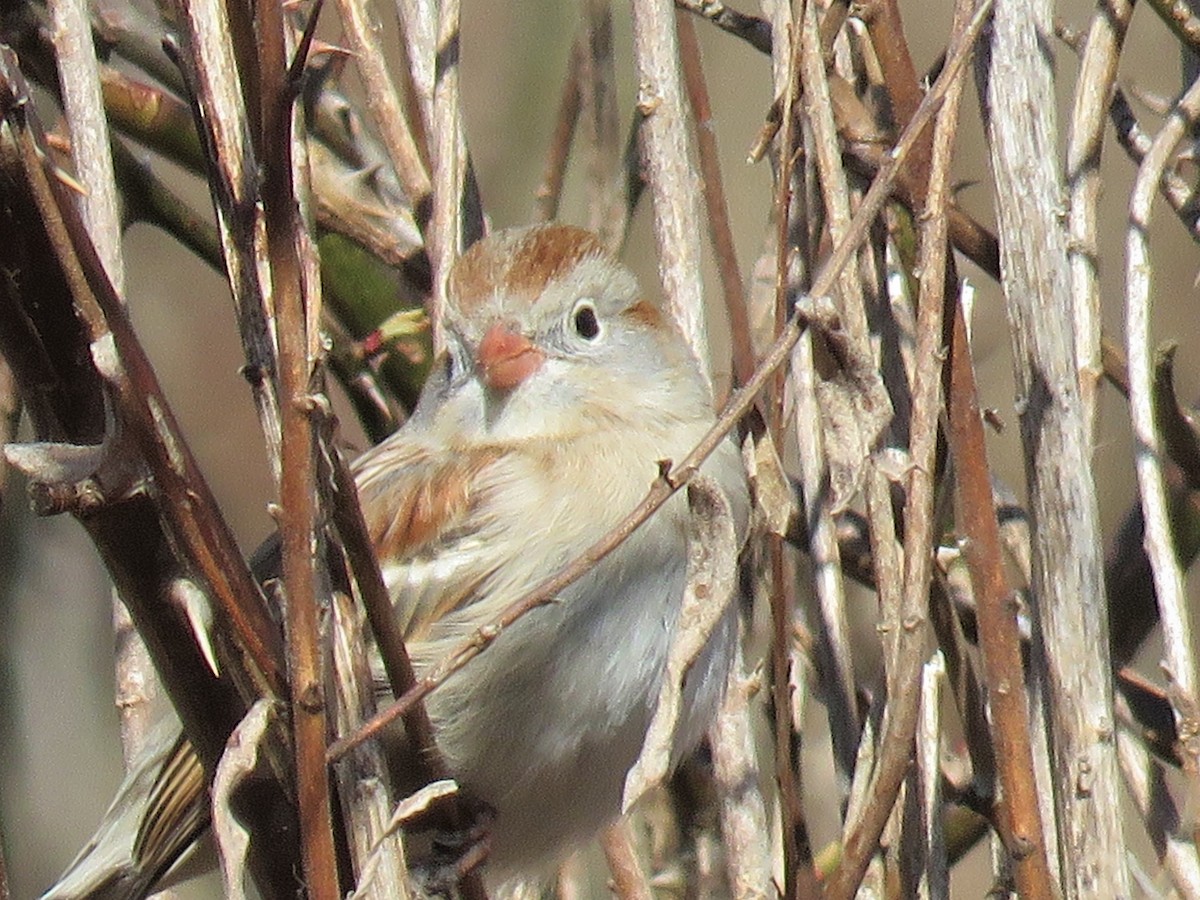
543 423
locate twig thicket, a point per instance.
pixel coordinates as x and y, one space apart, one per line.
855 353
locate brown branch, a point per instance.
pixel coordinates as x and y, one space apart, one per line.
385 625
549 191
51 249
598 103
798 878
751 29
298 494
720 233
676 476
1018 816
908 641
920 539
222 112
629 882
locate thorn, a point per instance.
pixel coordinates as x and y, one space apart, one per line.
68 180
195 607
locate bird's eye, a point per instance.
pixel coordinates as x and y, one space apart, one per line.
587 326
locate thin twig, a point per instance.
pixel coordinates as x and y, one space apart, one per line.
145 541
382 101
419 30
851 304
362 777
1173 608
1182 19
713 185
751 29
1018 817
798 881
1093 89
76 55
906 651
445 236
221 119
385 625
745 834
924 873
601 131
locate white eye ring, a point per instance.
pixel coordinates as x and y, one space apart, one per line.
584 320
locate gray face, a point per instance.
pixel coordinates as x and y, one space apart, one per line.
604 351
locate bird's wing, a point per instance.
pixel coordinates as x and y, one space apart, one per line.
425 510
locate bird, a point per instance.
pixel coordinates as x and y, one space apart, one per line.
542 424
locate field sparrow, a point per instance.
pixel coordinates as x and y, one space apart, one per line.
540 428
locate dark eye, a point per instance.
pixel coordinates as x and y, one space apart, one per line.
587 326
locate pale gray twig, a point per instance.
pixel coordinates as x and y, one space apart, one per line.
745 834
1144 777
1093 90
1017 80
233 179
83 106
362 776
1174 615
445 233
382 100
674 184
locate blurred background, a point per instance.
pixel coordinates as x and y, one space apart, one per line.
59 750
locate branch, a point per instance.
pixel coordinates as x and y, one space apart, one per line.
297 312
720 233
1093 89
674 185
1178 644
1067 588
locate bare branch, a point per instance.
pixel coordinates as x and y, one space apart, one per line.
1093 89
382 100
629 882
674 185
1068 584
297 307
713 185
1178 644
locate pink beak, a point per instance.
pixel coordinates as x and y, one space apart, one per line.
506 358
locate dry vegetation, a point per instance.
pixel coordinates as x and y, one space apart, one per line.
989 662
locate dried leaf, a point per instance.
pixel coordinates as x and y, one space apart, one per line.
409 807
772 489
851 429
711 579
237 764
1178 425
